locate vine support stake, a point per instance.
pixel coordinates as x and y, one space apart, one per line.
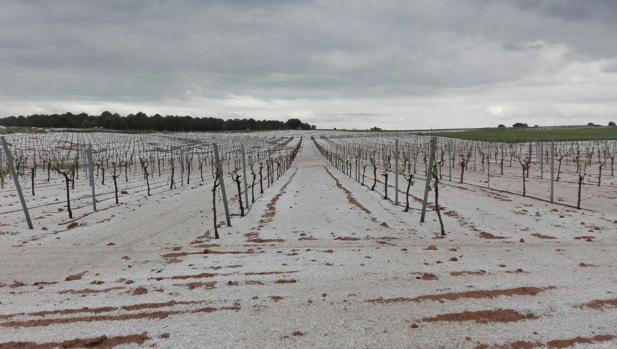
218 165
542 160
91 170
552 169
429 174
396 155
9 160
246 192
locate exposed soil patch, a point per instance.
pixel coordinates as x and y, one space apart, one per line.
208 251
466 272
428 277
55 321
564 343
265 241
601 304
346 238
269 272
184 277
350 198
197 284
87 291
483 316
139 291
102 342
270 212
542 236
452 296
489 236
75 277
554 344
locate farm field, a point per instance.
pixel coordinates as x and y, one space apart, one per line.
320 258
516 135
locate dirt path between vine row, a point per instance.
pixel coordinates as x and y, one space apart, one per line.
318 261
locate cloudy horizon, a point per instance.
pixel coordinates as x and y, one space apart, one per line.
392 64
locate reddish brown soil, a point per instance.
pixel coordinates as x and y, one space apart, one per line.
601 304
554 344
184 277
139 291
276 298
265 241
285 281
297 334
54 321
465 272
253 282
270 212
489 236
102 342
452 296
542 236
157 315
75 277
483 316
585 265
350 198
346 238
585 237
101 309
428 277
564 343
208 251
306 238
212 309
269 272
430 248
87 291
194 285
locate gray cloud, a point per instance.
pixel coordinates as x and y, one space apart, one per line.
337 62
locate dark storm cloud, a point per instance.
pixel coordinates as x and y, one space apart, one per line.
177 53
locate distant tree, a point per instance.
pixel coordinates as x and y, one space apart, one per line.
141 121
520 125
612 124
375 128
591 124
501 126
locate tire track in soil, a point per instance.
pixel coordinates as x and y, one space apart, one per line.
269 214
353 201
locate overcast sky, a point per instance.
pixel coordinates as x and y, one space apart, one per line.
395 64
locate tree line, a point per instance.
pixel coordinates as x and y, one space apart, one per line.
141 121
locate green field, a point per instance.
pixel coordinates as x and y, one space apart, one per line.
517 135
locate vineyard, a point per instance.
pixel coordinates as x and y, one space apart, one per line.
305 239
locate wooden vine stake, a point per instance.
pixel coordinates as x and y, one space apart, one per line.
9 160
91 170
396 171
246 192
429 175
224 194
